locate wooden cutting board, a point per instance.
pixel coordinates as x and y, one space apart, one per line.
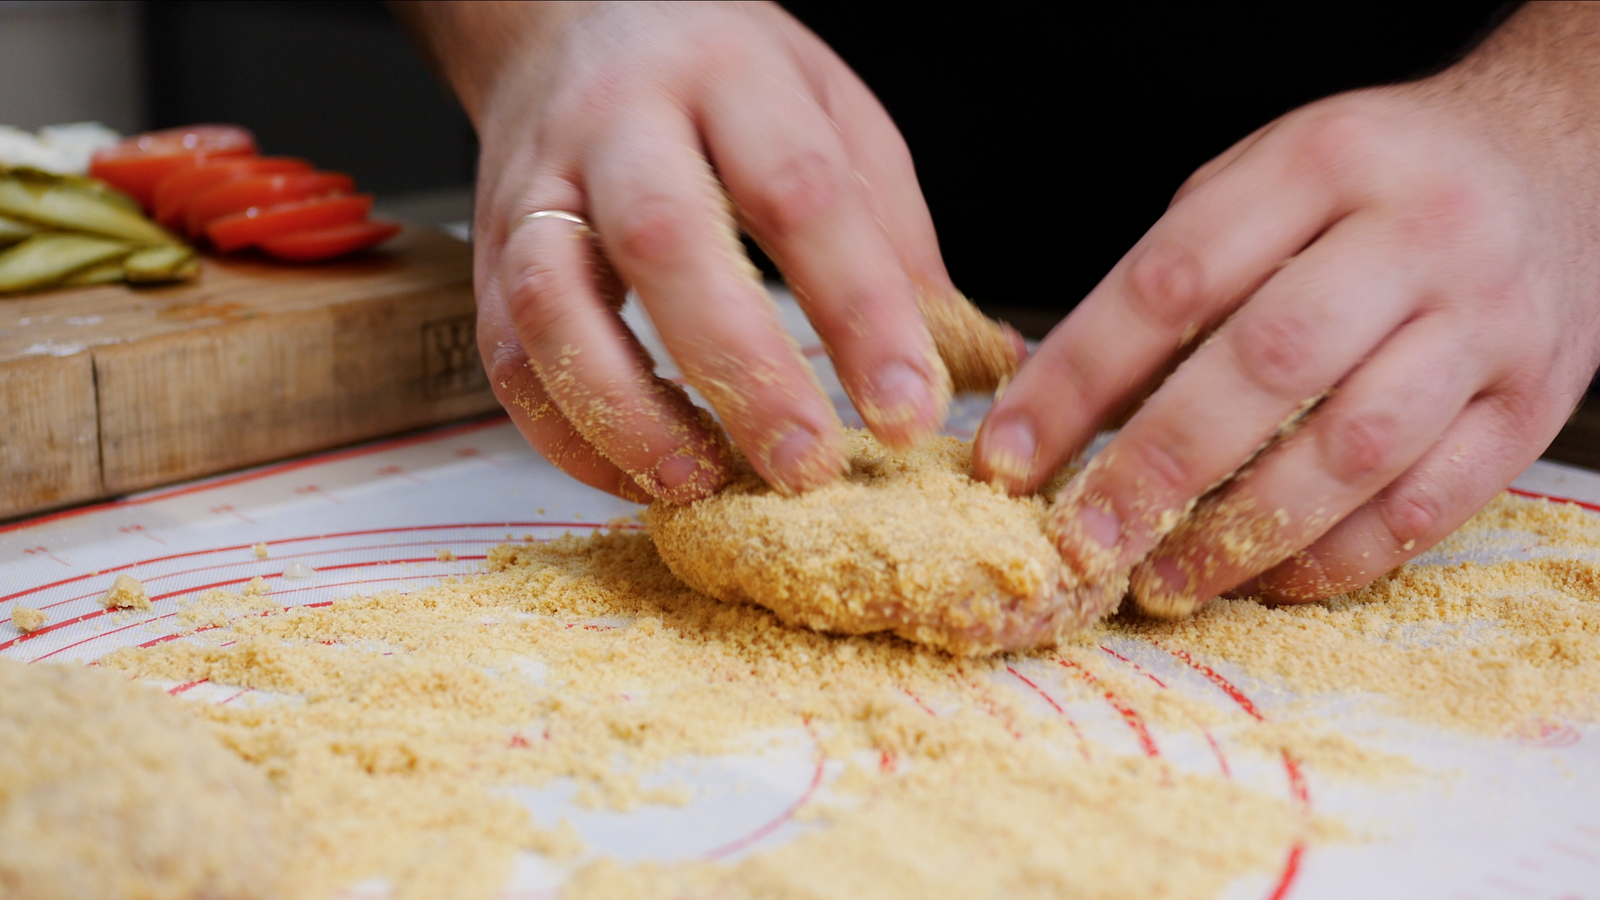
111 389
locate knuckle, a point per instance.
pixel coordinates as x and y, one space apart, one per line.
652 231
532 297
726 48
593 98
1356 447
1275 352
1525 412
1440 217
1332 138
1166 284
506 365
804 189
1411 514
1170 462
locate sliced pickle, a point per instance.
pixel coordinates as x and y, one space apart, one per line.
47 259
104 273
80 182
63 206
12 231
166 263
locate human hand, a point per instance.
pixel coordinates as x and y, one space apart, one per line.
1425 255
667 127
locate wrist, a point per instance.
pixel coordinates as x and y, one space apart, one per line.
1535 84
474 45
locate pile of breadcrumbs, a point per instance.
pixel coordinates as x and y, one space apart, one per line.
391 723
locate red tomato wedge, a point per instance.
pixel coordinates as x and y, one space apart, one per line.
326 243
137 164
258 225
263 191
173 193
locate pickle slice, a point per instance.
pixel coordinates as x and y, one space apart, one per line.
46 259
63 206
103 273
166 263
12 231
79 182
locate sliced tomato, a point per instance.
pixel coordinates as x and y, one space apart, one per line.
263 191
219 139
172 194
137 164
257 225
326 243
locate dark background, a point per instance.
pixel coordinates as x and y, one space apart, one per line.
1047 137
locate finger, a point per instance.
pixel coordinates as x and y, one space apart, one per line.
1363 437
1223 160
666 227
593 370
801 196
1184 276
548 432
1486 447
883 164
1301 333
978 353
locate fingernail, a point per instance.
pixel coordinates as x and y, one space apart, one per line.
1008 451
682 478
676 471
1100 525
799 460
900 396
1162 588
1170 575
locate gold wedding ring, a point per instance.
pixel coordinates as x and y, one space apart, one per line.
562 214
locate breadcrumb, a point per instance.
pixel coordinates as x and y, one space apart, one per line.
27 620
126 593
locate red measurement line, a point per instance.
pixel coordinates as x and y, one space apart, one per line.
165 638
1573 851
1083 746
186 686
736 845
1217 750
993 709
1291 871
918 701
220 584
1135 665
1298 787
488 421
1129 714
235 696
1538 496
148 580
315 537
139 624
1213 676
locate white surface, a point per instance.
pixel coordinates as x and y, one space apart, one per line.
1495 818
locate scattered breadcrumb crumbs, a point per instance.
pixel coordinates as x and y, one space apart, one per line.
27 620
444 555
126 593
114 789
260 550
392 723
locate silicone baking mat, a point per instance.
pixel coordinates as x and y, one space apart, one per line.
1517 817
